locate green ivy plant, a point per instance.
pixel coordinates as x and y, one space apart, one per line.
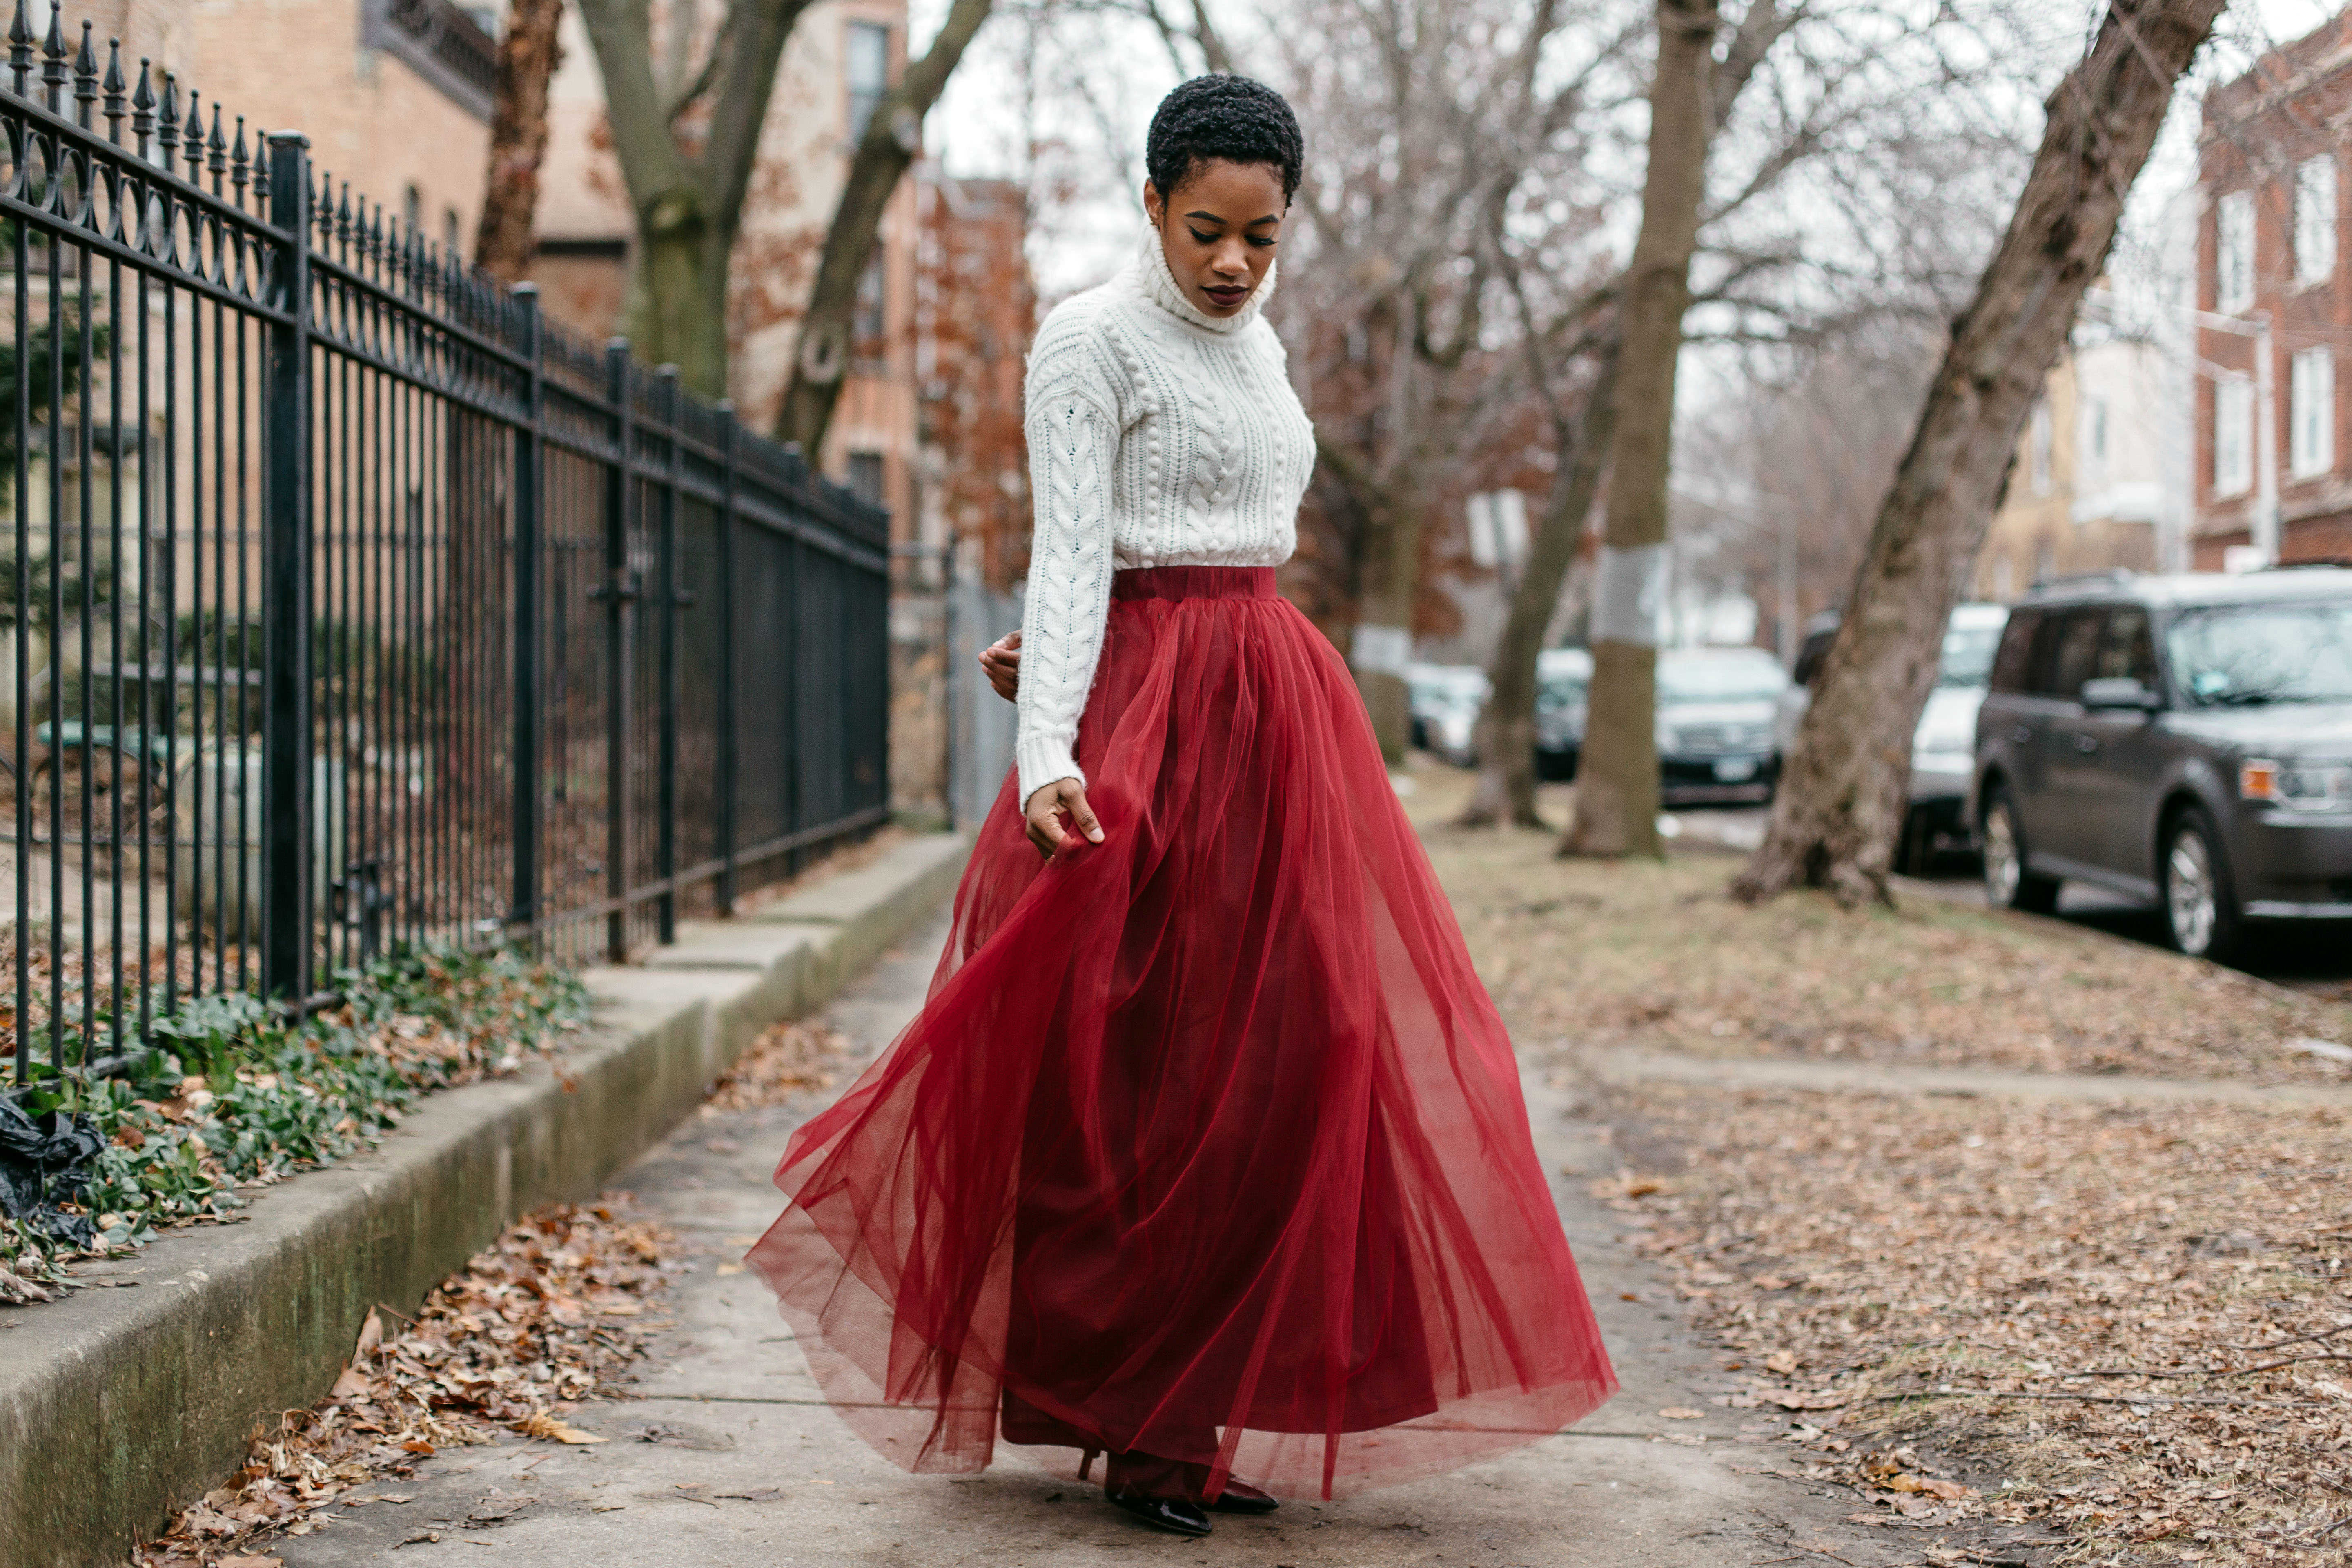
234 1095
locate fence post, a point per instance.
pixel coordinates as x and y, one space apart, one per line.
620 675
728 782
529 593
665 668
285 775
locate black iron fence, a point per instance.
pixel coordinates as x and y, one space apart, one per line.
353 601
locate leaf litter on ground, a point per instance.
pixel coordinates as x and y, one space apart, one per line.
549 1316
2118 1325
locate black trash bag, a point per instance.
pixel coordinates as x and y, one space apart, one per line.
45 1161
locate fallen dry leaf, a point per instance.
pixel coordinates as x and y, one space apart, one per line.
1681 1413
543 1425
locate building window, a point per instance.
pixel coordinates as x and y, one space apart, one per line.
450 229
2233 252
866 477
869 326
412 207
2315 219
2233 433
2311 419
867 68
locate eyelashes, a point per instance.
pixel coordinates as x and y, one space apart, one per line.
1262 241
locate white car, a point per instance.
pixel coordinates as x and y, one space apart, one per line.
1445 701
1943 747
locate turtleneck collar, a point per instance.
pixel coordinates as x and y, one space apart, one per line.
1159 284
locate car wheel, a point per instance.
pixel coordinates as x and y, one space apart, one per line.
2008 884
2201 904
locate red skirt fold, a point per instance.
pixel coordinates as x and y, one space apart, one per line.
1208 1144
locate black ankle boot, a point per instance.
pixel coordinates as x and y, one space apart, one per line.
1239 1498
1174 1515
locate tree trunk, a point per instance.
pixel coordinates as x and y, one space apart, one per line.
1382 643
1846 784
892 137
1617 779
686 186
1507 728
505 242
676 313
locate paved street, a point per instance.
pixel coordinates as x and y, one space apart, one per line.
2317 958
729 1456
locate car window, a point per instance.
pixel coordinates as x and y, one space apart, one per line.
2126 647
1718 680
1967 656
2076 657
2013 662
2041 666
2247 655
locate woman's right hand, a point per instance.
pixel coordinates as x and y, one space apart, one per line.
1000 662
1044 808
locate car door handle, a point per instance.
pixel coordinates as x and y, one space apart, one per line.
2021 733
2086 744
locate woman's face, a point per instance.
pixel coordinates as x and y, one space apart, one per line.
1218 231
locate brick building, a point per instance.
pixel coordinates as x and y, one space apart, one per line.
2271 172
394 95
2087 492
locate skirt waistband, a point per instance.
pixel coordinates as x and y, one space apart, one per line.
1194 583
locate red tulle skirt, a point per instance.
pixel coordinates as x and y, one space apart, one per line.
1208 1147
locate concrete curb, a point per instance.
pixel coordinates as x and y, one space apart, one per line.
121 1405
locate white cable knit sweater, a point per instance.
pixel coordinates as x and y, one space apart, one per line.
1159 436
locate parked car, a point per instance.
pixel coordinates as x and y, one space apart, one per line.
1445 701
1943 746
2184 740
1563 679
1715 720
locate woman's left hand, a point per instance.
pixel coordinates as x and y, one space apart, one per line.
1000 662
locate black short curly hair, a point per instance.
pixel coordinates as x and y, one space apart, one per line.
1223 117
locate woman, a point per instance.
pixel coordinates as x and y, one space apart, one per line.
1207 1149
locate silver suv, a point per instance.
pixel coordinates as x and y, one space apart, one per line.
2184 740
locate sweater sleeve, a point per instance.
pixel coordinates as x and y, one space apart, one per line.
1071 423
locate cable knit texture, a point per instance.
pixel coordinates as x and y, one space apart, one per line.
1159 436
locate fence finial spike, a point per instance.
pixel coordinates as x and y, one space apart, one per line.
85 68
53 58
142 109
114 87
20 49
238 157
167 121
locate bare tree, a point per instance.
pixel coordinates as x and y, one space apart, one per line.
1506 743
1617 788
1841 804
528 53
1437 130
687 133
893 135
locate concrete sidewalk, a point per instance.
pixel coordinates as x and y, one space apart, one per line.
730 1458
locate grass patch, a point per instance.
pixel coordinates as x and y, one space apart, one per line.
1585 954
